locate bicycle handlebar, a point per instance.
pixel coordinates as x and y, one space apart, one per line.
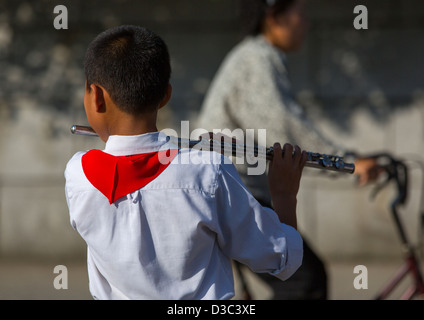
396 170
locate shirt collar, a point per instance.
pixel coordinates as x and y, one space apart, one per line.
144 143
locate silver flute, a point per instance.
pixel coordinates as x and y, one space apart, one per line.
314 160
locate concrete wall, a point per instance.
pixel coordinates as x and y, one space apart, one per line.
364 89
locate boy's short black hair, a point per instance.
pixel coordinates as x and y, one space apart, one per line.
132 63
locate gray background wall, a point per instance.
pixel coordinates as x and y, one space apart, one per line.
363 88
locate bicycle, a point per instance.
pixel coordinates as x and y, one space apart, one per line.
397 171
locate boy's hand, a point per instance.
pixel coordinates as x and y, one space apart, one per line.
284 181
285 172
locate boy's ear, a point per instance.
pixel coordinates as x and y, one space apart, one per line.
98 98
167 96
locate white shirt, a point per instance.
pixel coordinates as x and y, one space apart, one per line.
175 237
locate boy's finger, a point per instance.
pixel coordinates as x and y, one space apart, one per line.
278 153
288 151
303 159
297 155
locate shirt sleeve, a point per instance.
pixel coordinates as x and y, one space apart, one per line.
74 183
252 234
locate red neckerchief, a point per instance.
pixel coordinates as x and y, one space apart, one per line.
116 177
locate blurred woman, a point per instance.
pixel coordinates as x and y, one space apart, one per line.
252 90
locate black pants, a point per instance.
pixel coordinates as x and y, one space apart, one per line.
309 282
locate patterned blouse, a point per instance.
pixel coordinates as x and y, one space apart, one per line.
252 90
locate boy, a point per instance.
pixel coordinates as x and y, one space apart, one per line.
160 229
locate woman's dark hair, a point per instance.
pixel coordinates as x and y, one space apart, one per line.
253 13
132 64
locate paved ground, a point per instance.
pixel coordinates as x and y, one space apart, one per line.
35 280
341 278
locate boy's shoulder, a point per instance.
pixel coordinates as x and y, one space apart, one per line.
75 161
205 158
197 168
190 169
74 174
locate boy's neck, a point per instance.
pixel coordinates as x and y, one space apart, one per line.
128 125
